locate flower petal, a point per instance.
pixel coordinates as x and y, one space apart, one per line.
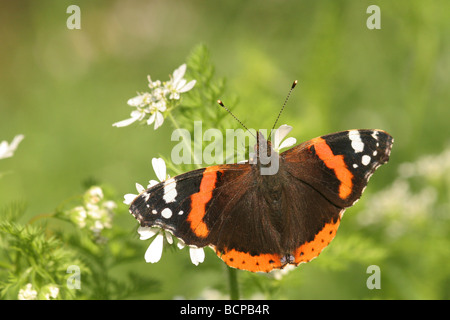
135 115
180 244
161 105
152 183
147 232
136 101
287 143
139 188
174 95
159 119
129 198
179 73
180 84
151 119
188 86
15 143
280 134
159 166
154 251
124 123
168 237
6 150
3 149
197 255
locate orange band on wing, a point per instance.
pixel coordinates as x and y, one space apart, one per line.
199 201
335 163
311 249
246 261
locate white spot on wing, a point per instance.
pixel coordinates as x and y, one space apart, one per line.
166 213
365 160
375 135
170 191
357 143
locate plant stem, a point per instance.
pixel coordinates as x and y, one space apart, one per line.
232 280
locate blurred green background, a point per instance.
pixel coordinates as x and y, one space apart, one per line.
64 88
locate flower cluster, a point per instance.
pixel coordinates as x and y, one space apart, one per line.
413 197
48 292
95 213
154 251
149 106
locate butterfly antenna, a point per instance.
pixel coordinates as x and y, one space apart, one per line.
284 104
231 113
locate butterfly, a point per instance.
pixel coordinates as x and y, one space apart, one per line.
258 219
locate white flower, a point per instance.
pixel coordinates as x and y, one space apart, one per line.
153 84
278 274
78 216
279 135
159 166
27 293
95 213
146 104
154 251
129 197
178 84
50 291
197 255
94 195
7 150
154 103
136 115
156 110
54 291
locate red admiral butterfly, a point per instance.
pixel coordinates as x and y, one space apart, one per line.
261 222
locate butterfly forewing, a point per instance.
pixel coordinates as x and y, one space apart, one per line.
339 165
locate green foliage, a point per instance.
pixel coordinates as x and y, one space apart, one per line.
31 256
38 255
201 103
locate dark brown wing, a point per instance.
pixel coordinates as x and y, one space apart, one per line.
326 175
218 206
